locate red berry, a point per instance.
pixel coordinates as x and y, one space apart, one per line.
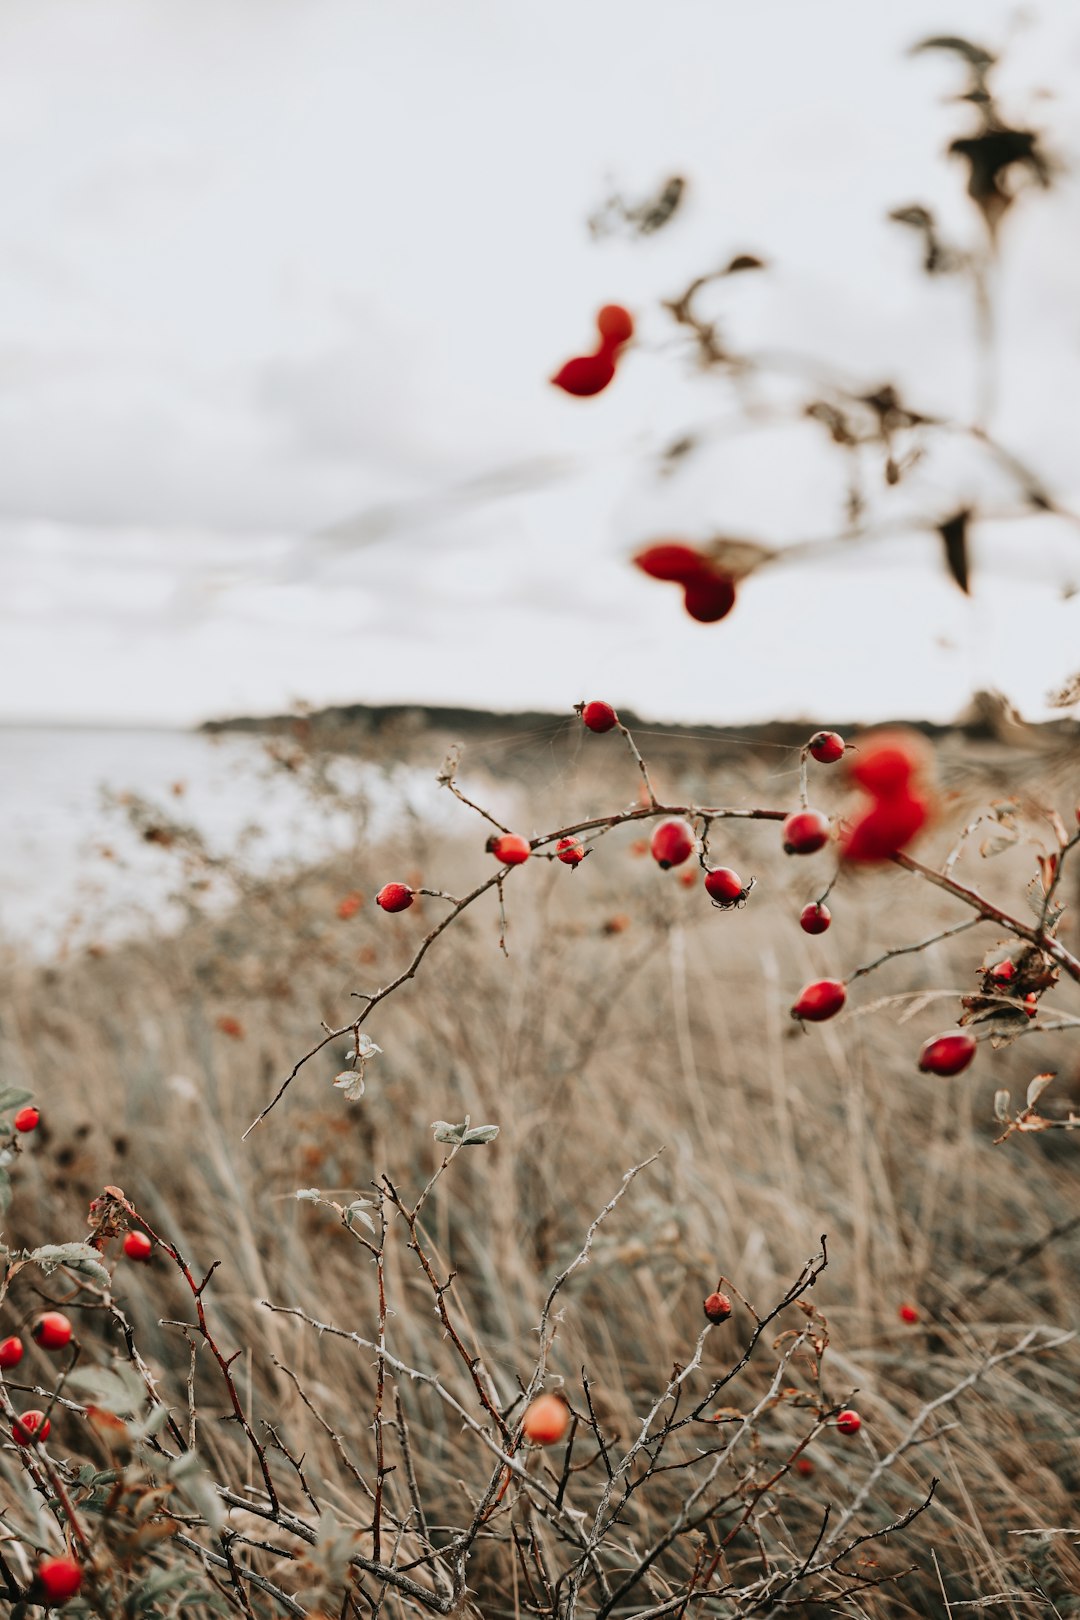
615 324
814 918
586 374
883 830
884 765
724 887
820 1000
671 560
908 1313
11 1352
30 1426
947 1054
804 1466
52 1331
826 747
569 851
58 1579
805 831
849 1421
349 905
709 598
672 843
1031 1004
27 1119
546 1420
1002 972
597 716
510 848
137 1246
718 1307
395 897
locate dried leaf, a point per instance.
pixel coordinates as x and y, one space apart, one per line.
1001 1106
954 532
736 558
1036 1088
351 1082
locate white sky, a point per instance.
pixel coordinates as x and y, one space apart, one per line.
267 267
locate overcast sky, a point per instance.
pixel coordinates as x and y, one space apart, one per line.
270 268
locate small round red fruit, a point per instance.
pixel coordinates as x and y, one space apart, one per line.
395 897
724 887
672 843
30 1426
947 1054
569 851
717 1307
27 1119
908 1313
673 561
1031 1004
137 1246
804 832
848 1421
11 1352
510 848
820 1000
615 324
586 374
815 918
58 1579
1002 972
826 747
546 1420
709 598
804 1466
52 1331
597 716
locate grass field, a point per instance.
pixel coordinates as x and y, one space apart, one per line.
629 1017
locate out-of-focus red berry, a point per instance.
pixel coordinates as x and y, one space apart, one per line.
908 1313
58 1579
709 598
11 1352
948 1054
885 829
546 1420
615 324
821 1000
672 843
672 560
586 374
804 1466
510 848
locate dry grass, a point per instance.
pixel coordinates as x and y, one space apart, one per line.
591 1049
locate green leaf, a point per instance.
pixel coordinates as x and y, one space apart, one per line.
195 1485
479 1135
10 1099
78 1257
119 1390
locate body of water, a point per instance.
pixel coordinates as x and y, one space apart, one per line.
73 868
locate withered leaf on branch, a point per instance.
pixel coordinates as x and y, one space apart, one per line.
737 558
954 536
